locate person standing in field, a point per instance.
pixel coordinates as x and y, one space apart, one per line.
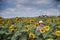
41 25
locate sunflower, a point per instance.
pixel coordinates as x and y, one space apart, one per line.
12 30
1 23
31 20
57 33
47 28
48 20
36 25
17 19
0 18
31 35
27 28
12 27
8 21
50 39
42 30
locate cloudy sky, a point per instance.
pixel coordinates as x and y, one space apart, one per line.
29 8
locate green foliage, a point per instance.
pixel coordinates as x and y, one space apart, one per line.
22 34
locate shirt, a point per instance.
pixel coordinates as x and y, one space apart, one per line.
37 30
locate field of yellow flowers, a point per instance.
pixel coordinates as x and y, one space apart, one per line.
24 28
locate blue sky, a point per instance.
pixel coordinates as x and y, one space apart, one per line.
29 8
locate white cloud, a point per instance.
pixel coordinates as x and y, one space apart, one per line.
31 12
21 10
42 2
9 10
35 1
22 1
53 12
58 5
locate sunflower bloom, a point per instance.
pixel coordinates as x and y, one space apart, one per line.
48 20
50 39
47 28
57 33
36 25
12 27
42 31
0 18
17 19
31 35
1 23
31 21
8 21
12 30
27 28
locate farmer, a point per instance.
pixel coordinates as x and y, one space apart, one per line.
41 25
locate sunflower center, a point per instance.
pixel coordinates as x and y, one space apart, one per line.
58 33
31 21
32 36
46 27
26 27
42 30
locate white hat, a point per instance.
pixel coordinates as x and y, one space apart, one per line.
41 22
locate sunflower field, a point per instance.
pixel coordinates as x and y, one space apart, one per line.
23 28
